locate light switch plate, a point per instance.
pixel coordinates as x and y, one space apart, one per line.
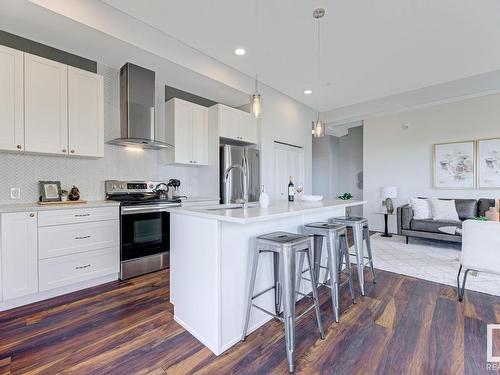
15 193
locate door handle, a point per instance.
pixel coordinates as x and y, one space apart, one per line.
82 267
81 237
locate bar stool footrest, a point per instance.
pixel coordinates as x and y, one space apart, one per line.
267 312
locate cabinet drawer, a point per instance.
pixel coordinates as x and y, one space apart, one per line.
77 215
60 240
70 269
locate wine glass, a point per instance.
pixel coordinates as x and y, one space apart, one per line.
299 188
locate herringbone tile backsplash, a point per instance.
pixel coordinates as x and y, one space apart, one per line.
25 170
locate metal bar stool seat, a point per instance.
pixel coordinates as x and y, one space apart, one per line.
338 255
361 235
284 247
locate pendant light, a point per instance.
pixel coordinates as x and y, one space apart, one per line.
318 126
256 98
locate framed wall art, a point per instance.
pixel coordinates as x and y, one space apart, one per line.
488 163
454 165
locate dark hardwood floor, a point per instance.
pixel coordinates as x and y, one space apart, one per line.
402 326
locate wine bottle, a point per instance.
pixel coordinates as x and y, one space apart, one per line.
291 193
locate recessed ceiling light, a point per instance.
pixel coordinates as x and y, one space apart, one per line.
239 51
308 92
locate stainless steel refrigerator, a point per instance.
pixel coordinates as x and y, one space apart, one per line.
234 161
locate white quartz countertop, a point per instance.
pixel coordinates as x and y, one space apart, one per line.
201 199
254 213
20 207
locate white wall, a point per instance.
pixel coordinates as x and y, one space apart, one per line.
350 164
336 164
325 166
403 158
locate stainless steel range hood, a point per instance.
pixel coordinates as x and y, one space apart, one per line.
137 108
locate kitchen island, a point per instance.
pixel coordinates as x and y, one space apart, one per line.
210 258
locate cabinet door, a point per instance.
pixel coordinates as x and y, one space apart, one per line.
12 99
200 134
183 132
45 105
248 128
19 254
229 121
85 113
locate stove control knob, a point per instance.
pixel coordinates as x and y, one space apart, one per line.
151 186
113 187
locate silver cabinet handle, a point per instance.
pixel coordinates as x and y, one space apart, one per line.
32 214
81 215
64 150
19 147
81 267
72 151
81 237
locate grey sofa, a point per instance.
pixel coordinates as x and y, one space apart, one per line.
428 228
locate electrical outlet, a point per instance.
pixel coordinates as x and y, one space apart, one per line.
15 193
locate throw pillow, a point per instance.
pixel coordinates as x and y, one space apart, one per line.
421 208
444 209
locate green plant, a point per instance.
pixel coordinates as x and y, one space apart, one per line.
480 218
345 196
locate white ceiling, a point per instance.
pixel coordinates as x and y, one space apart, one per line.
370 49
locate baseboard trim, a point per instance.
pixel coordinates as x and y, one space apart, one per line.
41 296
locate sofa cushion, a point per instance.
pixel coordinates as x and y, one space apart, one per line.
430 225
466 208
483 205
443 209
421 208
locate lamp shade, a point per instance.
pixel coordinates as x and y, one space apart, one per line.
388 192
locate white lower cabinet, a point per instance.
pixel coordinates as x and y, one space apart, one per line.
70 269
68 239
19 254
55 250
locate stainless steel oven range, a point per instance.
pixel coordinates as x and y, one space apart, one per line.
145 224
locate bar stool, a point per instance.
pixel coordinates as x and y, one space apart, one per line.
284 247
361 234
338 254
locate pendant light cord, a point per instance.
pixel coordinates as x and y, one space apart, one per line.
319 66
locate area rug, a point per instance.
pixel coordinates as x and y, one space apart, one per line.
429 260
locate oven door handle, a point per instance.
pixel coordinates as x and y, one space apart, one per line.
144 210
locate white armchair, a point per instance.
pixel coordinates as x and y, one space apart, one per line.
480 250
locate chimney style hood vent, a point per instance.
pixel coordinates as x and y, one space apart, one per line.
137 109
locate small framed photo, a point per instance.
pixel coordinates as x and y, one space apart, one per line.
454 165
50 191
488 163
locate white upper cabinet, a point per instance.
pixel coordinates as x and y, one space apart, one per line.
19 254
12 99
186 129
46 105
236 124
85 113
49 107
200 134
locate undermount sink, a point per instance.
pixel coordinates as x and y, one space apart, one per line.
230 206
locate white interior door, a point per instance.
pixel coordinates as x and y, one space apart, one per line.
288 161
